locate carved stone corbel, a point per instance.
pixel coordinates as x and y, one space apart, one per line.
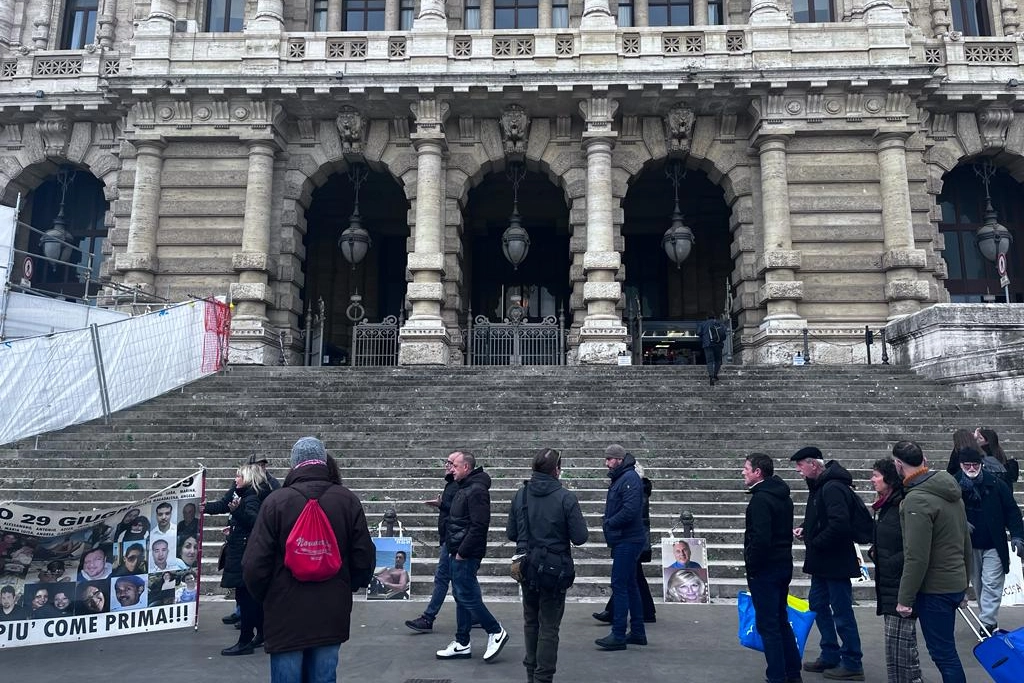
993 124
54 132
351 125
515 130
679 129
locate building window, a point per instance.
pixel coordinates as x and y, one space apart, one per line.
970 17
515 14
225 16
560 14
812 11
79 24
406 14
319 15
970 276
716 17
471 18
364 15
670 13
625 13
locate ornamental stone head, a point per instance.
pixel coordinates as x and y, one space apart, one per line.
350 127
515 129
679 128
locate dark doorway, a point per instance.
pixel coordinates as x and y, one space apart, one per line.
541 282
379 279
671 301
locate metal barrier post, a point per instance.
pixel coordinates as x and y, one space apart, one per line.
101 374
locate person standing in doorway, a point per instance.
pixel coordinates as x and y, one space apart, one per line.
544 519
712 338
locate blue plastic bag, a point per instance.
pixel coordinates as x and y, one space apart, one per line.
801 618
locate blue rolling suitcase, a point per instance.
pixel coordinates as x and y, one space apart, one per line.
1001 654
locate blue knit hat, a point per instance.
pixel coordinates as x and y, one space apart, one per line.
308 448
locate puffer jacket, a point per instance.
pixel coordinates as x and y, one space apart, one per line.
829 550
768 533
623 509
470 516
887 553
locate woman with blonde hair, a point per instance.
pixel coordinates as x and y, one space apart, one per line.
242 509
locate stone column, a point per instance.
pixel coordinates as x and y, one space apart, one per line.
901 261
6 22
602 336
390 15
334 15
768 12
640 15
597 15
270 11
139 263
781 291
700 12
162 9
252 342
487 15
544 14
105 23
424 339
941 23
41 24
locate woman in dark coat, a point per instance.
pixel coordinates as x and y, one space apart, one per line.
242 510
902 662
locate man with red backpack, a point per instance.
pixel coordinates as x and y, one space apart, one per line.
307 616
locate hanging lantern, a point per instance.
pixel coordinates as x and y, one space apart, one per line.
354 241
515 242
678 240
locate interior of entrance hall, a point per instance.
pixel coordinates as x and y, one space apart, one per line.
380 278
540 284
664 303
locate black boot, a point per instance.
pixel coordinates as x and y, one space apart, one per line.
603 616
238 649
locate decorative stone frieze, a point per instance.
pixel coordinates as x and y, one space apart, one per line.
779 258
791 290
351 125
993 124
679 129
515 130
904 258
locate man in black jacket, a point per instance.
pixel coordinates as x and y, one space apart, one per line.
542 521
442 576
991 512
768 557
831 560
466 538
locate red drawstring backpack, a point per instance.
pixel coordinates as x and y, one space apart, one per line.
311 550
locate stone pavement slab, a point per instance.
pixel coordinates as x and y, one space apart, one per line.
690 643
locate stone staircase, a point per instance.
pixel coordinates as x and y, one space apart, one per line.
391 427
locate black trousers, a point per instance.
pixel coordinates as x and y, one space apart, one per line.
713 357
542 617
251 612
645 594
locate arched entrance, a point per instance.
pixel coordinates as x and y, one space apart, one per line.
66 214
971 277
665 303
380 278
539 287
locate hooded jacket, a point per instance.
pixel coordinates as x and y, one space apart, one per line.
623 509
470 516
768 533
996 510
445 507
304 614
543 513
829 552
936 543
887 553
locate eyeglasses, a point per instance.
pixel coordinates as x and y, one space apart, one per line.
448 463
971 465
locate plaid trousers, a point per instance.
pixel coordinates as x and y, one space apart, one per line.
901 659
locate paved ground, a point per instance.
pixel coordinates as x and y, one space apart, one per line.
689 643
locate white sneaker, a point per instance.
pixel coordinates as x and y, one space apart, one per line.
456 651
495 641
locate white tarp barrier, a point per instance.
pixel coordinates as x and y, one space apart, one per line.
72 575
29 315
50 382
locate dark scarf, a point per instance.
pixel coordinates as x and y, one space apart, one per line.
971 489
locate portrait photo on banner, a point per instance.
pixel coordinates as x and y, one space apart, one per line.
684 564
391 577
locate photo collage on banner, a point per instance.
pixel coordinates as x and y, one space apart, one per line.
67 575
391 577
684 563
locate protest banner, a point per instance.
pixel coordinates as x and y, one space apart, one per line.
684 564
71 575
391 577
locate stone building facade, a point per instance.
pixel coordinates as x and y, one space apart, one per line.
821 152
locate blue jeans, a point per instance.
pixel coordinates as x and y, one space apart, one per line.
469 604
625 593
769 591
832 602
312 665
442 577
936 613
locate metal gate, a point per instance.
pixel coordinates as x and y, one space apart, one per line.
515 342
375 344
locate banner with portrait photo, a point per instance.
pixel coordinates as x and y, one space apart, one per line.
71 575
684 564
392 576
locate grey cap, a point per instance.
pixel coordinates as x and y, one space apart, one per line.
615 451
308 448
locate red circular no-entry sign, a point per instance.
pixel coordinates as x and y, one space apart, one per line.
27 268
1001 264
